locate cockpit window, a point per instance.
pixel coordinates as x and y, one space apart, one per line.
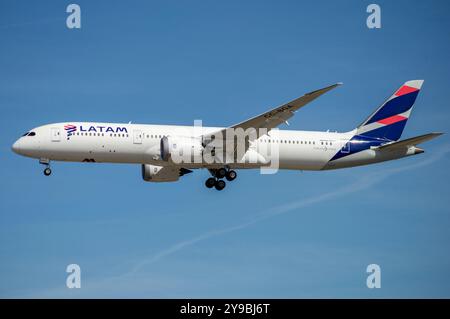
25 134
32 134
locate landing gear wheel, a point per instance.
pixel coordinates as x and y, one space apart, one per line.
47 171
221 172
231 175
210 182
219 185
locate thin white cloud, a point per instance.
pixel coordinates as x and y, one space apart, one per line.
362 183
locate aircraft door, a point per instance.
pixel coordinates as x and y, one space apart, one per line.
55 134
137 137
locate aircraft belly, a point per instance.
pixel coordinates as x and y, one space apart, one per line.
365 157
304 158
98 151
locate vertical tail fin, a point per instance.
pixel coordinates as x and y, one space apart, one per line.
389 120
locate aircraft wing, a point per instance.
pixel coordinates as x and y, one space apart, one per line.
281 114
273 117
409 142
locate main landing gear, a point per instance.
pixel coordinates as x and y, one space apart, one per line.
46 162
217 181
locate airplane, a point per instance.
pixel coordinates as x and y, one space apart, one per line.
154 147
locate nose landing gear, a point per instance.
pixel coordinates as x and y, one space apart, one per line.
217 181
46 162
47 171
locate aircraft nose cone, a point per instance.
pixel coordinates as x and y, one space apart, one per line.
16 147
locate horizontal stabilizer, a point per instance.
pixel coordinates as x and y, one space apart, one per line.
409 142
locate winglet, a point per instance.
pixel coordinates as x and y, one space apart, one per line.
323 90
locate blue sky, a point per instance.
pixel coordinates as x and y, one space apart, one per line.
293 234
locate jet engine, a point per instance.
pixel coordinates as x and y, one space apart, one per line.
181 149
154 173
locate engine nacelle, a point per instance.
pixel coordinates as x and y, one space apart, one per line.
181 149
154 173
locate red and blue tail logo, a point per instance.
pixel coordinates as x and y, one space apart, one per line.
386 124
389 120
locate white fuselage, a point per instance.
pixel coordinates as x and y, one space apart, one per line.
141 144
